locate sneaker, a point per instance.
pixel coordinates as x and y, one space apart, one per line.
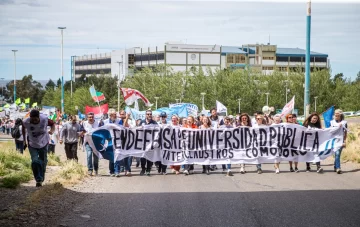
38 184
147 173
208 172
90 173
186 172
319 170
164 173
117 175
308 169
128 174
291 169
259 171
142 172
96 173
296 170
277 171
229 174
112 175
338 171
242 170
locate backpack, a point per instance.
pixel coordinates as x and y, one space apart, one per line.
15 133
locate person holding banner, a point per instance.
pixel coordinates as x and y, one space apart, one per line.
126 162
313 121
189 168
91 158
175 123
206 124
245 121
289 120
260 120
144 162
277 120
214 118
339 122
227 124
113 167
159 165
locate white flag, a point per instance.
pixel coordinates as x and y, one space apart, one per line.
288 107
136 105
220 108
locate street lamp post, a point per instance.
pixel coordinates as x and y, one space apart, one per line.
239 105
119 78
267 98
2 88
316 97
203 98
14 74
307 61
62 68
156 100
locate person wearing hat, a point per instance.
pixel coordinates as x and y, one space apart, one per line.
160 167
38 138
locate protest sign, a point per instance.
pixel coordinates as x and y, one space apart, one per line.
177 146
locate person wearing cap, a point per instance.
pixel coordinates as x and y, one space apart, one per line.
38 138
158 164
339 122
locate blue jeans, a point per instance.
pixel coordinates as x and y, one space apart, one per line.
258 166
228 166
19 146
126 163
38 162
337 158
90 156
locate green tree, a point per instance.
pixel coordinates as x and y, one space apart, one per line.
50 85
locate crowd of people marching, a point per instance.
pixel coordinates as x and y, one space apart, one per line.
41 134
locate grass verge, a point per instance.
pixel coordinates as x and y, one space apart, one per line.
352 150
15 168
70 173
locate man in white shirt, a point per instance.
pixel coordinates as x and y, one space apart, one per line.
92 159
112 120
38 135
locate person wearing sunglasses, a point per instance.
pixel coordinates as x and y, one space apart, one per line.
289 120
146 164
260 121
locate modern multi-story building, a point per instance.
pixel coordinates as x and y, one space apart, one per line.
185 57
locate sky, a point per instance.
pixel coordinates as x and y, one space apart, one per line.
94 26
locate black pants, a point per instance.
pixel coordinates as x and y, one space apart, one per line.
71 151
51 148
161 167
206 167
308 165
147 163
189 167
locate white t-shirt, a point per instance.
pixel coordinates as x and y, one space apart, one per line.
107 121
38 133
21 138
89 127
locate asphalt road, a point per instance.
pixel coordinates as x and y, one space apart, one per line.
287 199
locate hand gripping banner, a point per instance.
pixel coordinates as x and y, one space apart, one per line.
177 146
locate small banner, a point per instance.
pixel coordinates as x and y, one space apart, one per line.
178 146
97 110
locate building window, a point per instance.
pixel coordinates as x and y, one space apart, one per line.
282 59
239 58
131 59
295 59
268 58
268 68
230 58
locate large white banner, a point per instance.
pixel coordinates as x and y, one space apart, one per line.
175 145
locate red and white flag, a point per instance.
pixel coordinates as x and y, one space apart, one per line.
288 107
131 95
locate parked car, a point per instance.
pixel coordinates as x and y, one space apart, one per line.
349 113
357 113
